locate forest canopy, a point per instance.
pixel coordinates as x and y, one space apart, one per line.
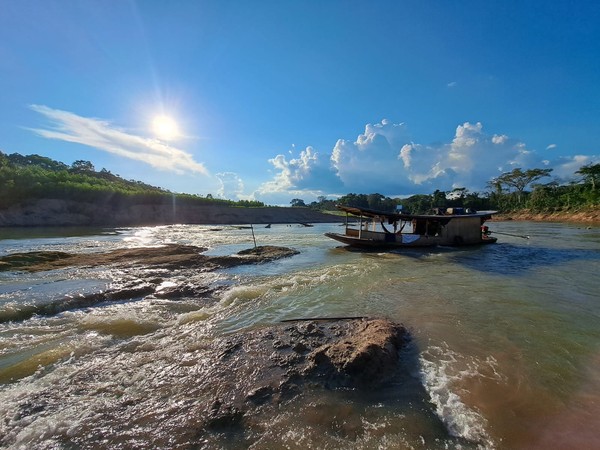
34 177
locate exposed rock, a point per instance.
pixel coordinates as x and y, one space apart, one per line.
367 354
171 256
263 368
248 371
267 253
139 285
340 353
213 392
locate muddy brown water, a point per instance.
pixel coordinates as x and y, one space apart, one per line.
505 349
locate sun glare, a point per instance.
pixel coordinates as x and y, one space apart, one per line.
165 128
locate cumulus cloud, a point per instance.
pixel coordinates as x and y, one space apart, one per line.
308 172
385 159
102 135
470 160
231 185
372 159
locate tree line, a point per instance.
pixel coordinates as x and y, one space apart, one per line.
511 191
35 177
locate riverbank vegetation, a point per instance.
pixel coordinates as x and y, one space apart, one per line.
517 191
532 191
34 177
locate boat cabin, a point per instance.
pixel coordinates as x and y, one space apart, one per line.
447 226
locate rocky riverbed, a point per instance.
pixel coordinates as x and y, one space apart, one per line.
210 390
143 273
204 390
170 256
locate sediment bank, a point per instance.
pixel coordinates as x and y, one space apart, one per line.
587 216
68 213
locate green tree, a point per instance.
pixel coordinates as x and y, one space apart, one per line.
375 201
591 174
438 199
81 166
519 179
297 202
417 204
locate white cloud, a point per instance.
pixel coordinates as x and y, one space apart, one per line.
384 159
551 147
309 171
102 135
231 186
499 139
564 168
452 84
372 159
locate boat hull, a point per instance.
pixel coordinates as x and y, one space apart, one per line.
424 241
378 243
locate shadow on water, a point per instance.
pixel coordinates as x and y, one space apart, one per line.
24 233
514 260
501 259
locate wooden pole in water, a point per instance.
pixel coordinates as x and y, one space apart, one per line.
253 237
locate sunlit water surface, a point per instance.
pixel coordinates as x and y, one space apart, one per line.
505 350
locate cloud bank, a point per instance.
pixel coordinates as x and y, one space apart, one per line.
102 135
384 159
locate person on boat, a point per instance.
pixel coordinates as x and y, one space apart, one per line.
485 231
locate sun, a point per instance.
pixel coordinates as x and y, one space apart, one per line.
164 127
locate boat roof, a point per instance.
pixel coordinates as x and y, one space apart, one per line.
392 216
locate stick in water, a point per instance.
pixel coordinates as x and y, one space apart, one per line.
508 234
253 238
306 319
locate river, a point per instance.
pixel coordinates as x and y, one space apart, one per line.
505 351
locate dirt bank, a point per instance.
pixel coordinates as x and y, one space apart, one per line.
68 213
584 216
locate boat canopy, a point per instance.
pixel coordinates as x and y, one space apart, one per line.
443 215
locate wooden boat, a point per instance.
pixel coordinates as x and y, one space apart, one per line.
447 226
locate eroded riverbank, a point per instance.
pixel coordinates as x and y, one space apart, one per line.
590 216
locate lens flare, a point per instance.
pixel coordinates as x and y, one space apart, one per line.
164 127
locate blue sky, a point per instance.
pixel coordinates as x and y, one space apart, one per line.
275 100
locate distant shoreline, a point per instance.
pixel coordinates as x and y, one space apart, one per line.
585 216
53 212
66 213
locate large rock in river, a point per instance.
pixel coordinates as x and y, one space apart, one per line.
167 391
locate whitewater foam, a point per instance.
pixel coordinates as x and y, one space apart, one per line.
440 371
